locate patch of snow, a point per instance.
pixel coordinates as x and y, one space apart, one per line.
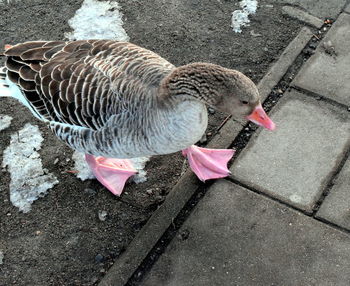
83 170
139 164
97 20
29 181
5 121
240 17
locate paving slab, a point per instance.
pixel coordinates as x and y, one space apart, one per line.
327 72
336 206
321 9
236 237
295 162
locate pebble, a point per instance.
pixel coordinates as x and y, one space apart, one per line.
313 45
56 161
204 139
99 258
159 199
102 215
1 258
211 110
94 280
90 191
149 192
329 47
183 235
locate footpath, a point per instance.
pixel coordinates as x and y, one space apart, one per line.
283 217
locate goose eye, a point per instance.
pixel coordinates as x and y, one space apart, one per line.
244 102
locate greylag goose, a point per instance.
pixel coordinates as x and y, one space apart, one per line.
113 99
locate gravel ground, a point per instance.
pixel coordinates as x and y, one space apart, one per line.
62 241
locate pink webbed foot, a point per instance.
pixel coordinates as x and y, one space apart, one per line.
208 163
112 173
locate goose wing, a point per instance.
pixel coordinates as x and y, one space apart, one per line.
83 83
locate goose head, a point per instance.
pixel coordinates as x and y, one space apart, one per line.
225 90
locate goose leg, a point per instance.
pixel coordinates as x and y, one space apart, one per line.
208 163
112 173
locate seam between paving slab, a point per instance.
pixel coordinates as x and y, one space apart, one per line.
328 180
151 233
320 97
312 215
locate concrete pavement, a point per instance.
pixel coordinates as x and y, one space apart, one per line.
283 218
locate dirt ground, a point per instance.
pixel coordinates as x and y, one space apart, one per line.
62 241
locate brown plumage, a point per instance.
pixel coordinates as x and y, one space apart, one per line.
116 99
69 82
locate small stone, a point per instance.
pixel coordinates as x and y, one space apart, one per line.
204 139
90 192
211 110
329 48
1 257
159 199
348 108
183 235
38 232
266 49
56 161
99 258
209 134
8 214
67 160
313 45
94 280
149 192
102 215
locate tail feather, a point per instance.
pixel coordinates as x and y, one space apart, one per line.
10 89
4 85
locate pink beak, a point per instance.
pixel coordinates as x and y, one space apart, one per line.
259 117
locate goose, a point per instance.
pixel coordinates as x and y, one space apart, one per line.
115 100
